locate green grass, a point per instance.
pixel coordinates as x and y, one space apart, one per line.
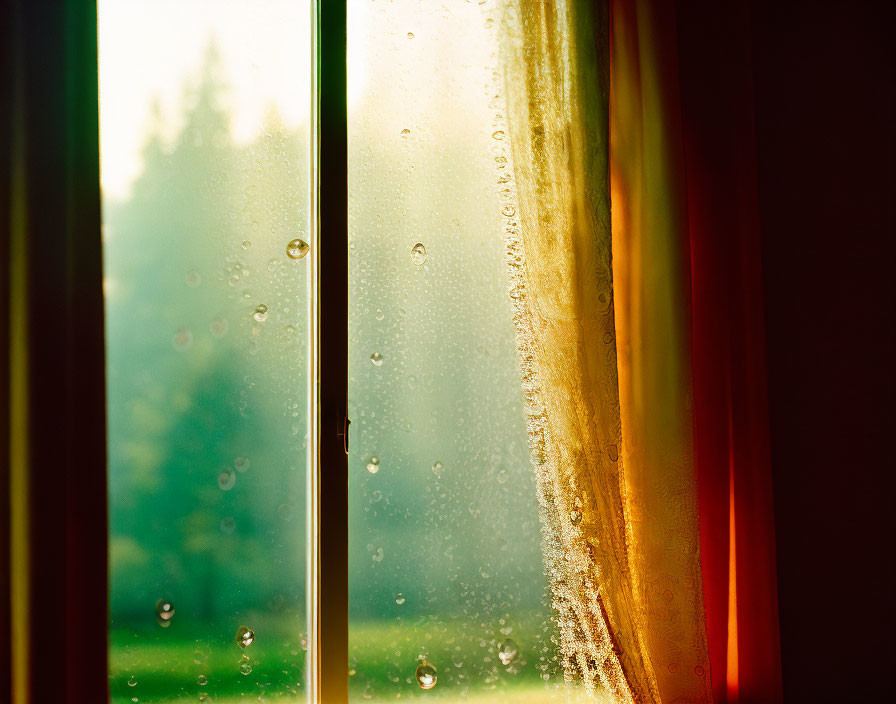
166 664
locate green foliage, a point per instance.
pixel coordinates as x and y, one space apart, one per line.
184 396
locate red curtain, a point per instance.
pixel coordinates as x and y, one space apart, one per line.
730 407
691 64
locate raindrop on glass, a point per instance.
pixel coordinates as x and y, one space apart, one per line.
379 314
132 682
376 359
193 279
245 665
373 466
437 468
405 133
410 35
508 211
418 254
246 244
378 555
502 476
507 651
219 327
226 480
245 636
241 464
489 22
399 598
203 680
261 313
182 340
426 675
297 248
498 134
164 609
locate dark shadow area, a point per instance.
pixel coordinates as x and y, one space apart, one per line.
825 119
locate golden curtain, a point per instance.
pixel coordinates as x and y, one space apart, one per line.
603 340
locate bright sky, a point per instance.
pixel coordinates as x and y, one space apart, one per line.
147 48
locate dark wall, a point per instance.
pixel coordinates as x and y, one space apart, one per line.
825 115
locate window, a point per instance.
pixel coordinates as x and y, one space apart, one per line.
447 584
205 125
206 132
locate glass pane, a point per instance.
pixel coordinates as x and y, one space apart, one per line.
204 109
447 585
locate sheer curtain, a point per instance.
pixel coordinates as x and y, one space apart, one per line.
608 339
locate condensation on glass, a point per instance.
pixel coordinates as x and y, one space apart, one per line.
448 594
204 115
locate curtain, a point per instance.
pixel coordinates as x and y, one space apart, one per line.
616 335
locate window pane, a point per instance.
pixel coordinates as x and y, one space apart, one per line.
205 143
447 584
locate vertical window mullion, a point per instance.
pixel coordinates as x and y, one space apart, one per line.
330 671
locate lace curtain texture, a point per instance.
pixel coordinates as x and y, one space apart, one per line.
599 279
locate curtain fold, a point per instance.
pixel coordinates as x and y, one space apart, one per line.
604 342
640 352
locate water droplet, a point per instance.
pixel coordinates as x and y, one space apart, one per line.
575 517
405 133
507 651
227 525
489 22
261 313
241 464
203 696
247 294
164 610
245 665
182 340
498 134
426 675
245 636
219 327
303 642
376 359
613 452
373 466
698 671
226 480
132 682
193 279
502 476
379 314
399 598
437 468
290 330
418 254
410 35
297 248
378 555
246 244
203 680
508 211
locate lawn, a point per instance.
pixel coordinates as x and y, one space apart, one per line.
168 665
